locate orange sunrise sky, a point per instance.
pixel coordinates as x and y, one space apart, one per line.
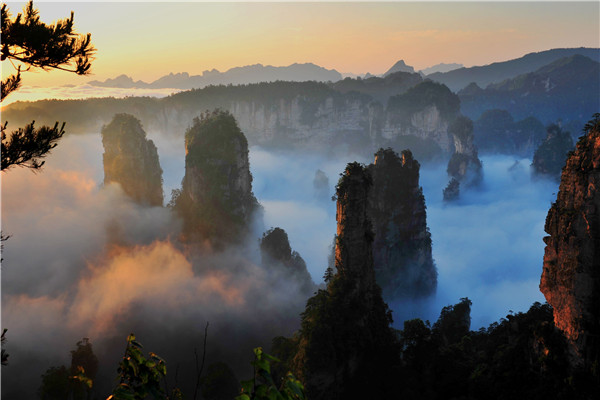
147 40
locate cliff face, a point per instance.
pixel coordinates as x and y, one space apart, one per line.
316 116
346 347
550 157
425 111
216 200
277 253
464 166
571 276
132 160
403 262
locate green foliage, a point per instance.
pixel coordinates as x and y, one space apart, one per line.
122 123
263 387
27 40
139 377
221 209
131 160
26 147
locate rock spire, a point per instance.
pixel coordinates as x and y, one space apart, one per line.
131 160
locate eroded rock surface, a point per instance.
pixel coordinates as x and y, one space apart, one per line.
571 276
402 256
131 160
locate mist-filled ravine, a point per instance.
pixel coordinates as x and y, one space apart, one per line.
300 201
83 260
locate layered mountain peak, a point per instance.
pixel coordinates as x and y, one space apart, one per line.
571 276
400 66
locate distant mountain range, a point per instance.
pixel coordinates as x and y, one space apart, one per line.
239 75
568 88
455 76
500 71
400 66
442 67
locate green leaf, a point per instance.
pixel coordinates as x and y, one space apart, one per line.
247 386
263 365
137 344
270 358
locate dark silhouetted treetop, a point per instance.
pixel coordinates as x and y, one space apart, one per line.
28 40
26 147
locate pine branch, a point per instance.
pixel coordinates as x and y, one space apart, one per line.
26 147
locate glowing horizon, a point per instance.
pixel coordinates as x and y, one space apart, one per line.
149 40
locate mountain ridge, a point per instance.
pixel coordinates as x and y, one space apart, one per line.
253 73
499 71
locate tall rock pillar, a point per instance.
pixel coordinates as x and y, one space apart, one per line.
571 276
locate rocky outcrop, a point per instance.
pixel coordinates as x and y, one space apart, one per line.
571 276
452 190
216 201
464 166
277 254
321 117
346 346
300 115
131 160
403 263
425 111
550 157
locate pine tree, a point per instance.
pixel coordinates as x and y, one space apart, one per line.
29 43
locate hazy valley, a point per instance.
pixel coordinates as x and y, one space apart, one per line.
383 236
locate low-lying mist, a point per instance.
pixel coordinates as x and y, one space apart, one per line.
487 246
84 261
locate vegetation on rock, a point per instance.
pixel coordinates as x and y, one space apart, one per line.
131 160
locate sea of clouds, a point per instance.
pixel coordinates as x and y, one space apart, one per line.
84 261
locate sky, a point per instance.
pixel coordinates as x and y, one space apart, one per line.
147 40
